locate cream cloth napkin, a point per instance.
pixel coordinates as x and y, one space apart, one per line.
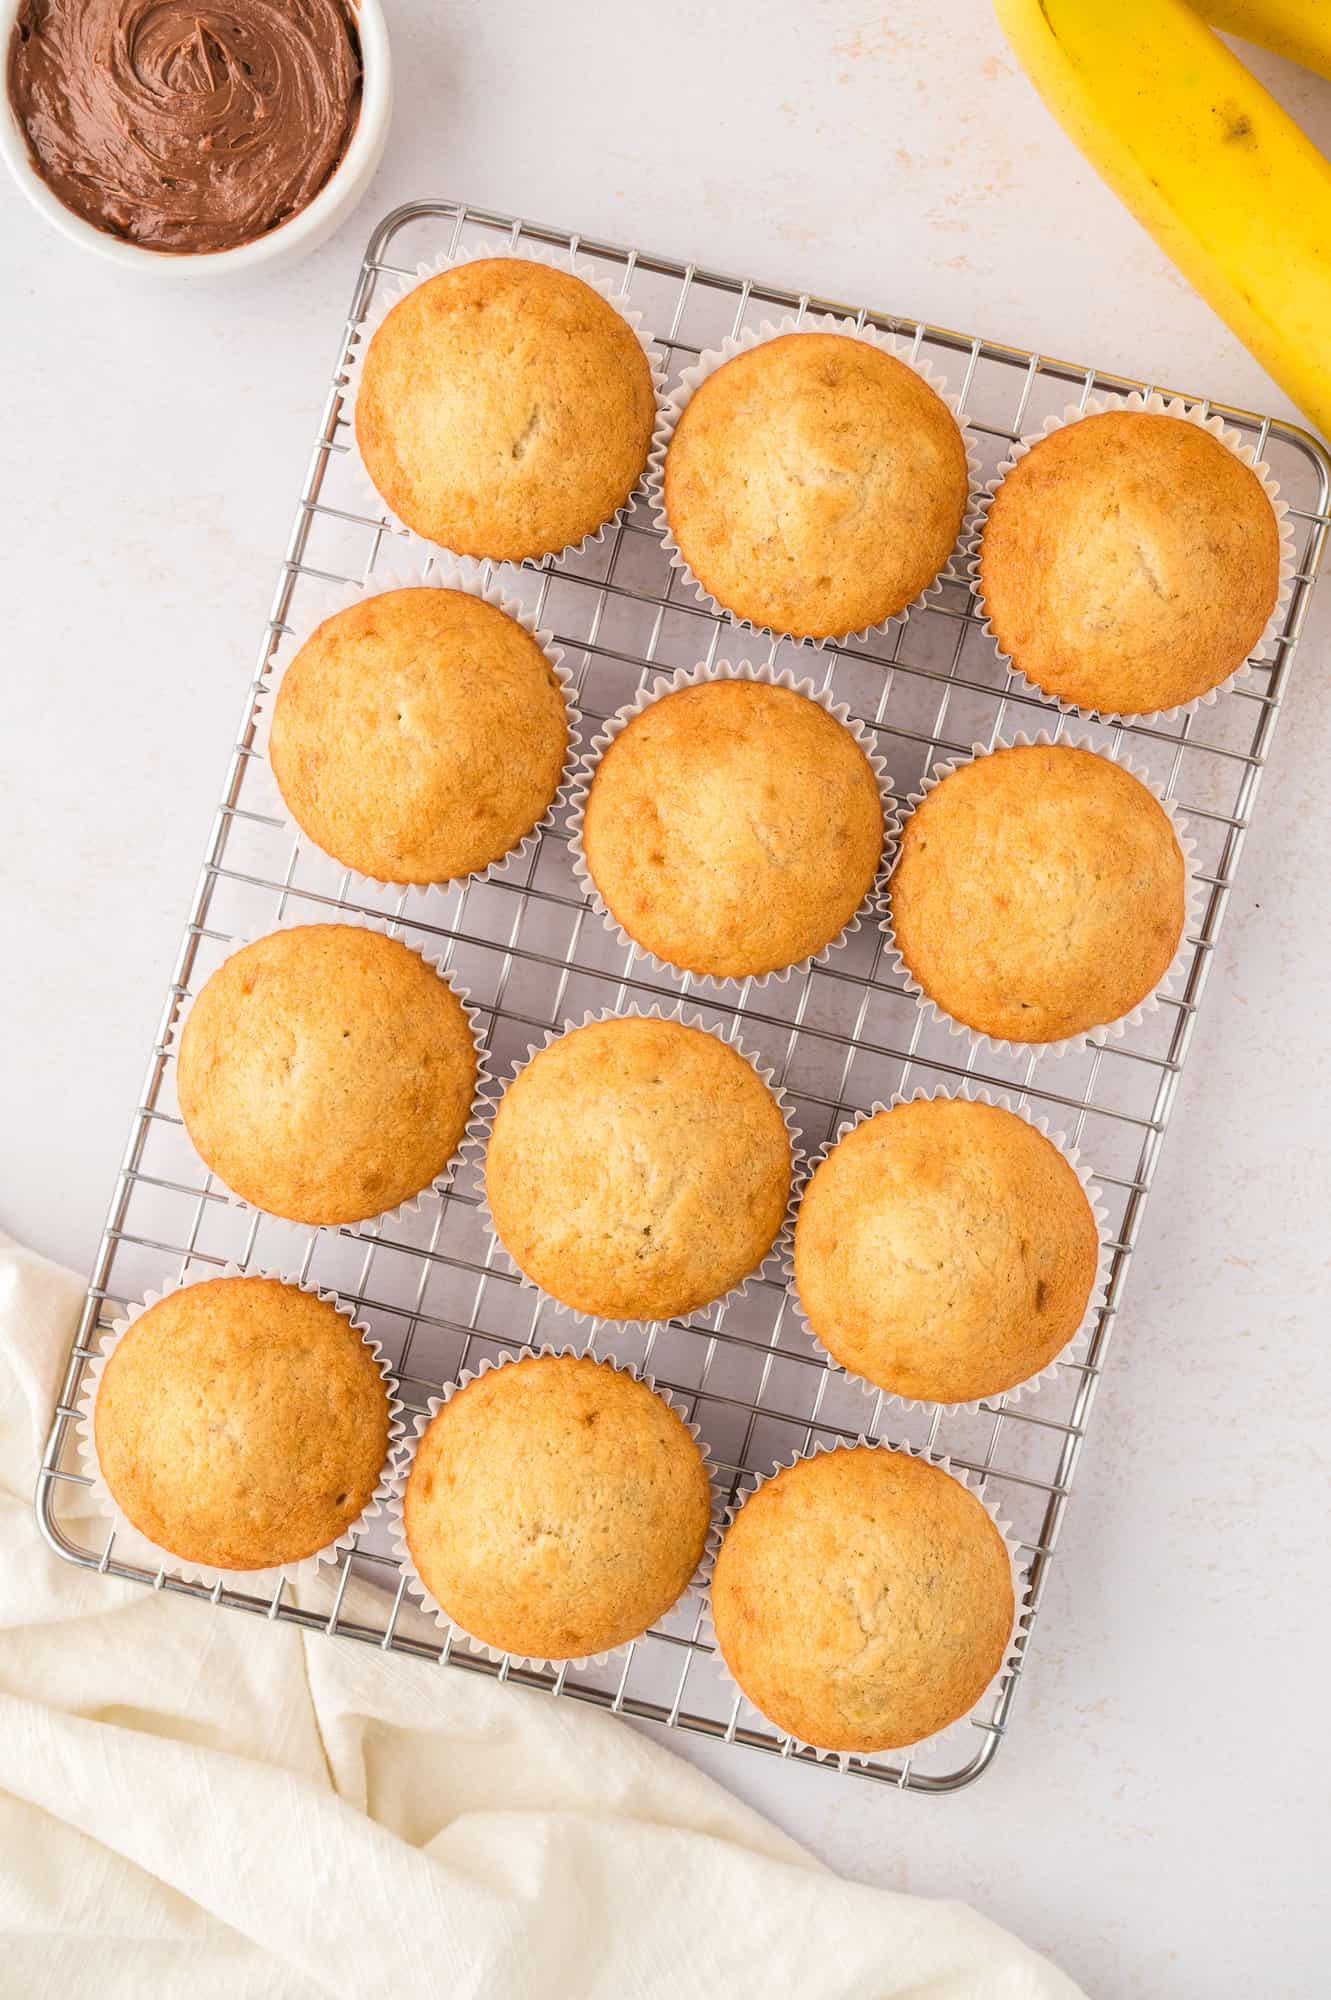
196 1802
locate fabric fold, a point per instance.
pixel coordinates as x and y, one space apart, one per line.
191 1800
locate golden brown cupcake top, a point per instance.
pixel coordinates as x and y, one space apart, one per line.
1129 563
638 1168
815 485
1039 892
863 1599
733 828
418 735
326 1073
945 1250
505 409
242 1423
556 1508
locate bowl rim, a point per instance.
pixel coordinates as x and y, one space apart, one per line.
318 218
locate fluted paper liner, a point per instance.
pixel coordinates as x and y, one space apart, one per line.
533 253
1076 1341
477 1143
1154 405
1012 1652
404 1459
767 675
476 1116
469 577
1175 973
263 1581
712 358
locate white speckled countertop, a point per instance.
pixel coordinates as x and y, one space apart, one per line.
1159 1820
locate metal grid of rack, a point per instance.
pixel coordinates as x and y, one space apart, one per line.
534 956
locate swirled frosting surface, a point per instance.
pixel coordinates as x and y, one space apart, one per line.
185 128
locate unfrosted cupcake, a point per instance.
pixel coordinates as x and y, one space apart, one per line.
419 735
326 1073
638 1168
733 828
1129 562
505 409
242 1423
1039 893
815 485
945 1250
863 1599
556 1507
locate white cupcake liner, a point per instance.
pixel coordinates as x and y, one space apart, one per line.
1155 405
477 1115
1076 1342
1175 973
984 1700
534 253
768 676
477 1143
404 1459
149 1553
325 602
712 358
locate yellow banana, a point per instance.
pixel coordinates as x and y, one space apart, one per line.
1300 30
1225 181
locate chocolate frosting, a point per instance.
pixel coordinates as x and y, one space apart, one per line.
185 127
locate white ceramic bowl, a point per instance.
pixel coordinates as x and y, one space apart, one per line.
282 245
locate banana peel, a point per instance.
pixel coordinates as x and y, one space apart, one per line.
1225 181
1299 30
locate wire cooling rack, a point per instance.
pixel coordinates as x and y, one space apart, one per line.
534 957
